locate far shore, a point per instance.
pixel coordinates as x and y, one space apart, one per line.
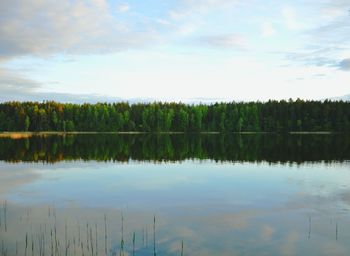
19 135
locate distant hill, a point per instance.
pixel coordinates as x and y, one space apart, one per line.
344 98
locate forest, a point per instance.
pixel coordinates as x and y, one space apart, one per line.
272 116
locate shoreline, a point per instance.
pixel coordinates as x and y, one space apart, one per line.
43 133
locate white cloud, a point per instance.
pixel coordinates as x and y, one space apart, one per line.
15 86
334 9
191 15
124 7
190 8
267 29
12 84
100 3
177 15
186 29
48 27
163 21
225 41
290 18
206 5
165 76
96 27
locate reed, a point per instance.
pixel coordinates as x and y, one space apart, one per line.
133 244
91 243
49 238
87 237
182 248
65 237
105 219
96 243
5 214
79 241
154 235
122 238
74 247
26 245
336 231
309 234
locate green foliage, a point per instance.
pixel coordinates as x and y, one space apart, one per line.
26 123
272 116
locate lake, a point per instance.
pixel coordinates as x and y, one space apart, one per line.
209 194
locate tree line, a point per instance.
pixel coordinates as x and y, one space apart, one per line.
273 148
271 116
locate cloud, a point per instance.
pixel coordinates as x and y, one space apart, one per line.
32 95
345 64
188 16
317 55
206 5
46 28
290 18
43 28
163 22
267 29
333 33
188 8
335 9
333 30
311 59
326 40
16 87
124 7
236 41
321 56
343 98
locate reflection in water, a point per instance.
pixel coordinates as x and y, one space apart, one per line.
177 147
46 230
225 209
192 207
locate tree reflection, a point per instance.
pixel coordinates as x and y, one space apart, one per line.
176 147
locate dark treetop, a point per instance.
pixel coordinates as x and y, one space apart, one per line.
272 116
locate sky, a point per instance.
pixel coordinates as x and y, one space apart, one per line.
184 50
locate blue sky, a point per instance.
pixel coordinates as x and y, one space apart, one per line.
185 50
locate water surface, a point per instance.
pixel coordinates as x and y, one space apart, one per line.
173 195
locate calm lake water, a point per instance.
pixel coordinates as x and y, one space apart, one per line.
175 195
